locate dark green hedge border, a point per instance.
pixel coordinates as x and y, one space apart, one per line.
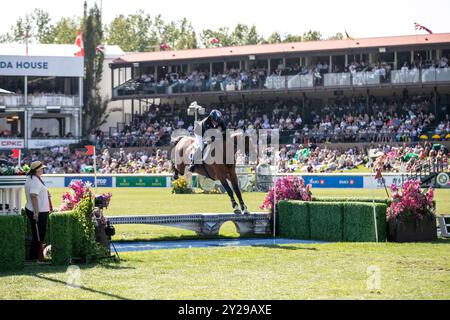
331 221
12 242
61 225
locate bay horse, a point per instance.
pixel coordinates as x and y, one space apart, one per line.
223 172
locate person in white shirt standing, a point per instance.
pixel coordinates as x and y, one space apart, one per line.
38 205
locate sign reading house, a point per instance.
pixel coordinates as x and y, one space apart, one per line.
41 66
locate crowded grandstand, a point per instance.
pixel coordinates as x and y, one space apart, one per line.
340 106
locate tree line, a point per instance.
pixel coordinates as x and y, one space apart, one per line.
140 32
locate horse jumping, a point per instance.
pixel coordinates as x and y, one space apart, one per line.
223 172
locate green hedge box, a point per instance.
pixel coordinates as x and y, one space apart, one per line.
12 242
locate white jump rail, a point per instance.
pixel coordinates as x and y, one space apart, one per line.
444 226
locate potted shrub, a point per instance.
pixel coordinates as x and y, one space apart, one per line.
411 214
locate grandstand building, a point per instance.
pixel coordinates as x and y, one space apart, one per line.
42 94
316 73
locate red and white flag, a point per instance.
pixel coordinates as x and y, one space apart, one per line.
214 42
420 27
80 44
164 46
90 150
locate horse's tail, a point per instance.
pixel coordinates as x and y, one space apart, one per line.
173 155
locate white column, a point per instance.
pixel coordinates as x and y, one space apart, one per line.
28 124
80 85
77 119
67 124
3 201
25 91
19 199
11 199
395 60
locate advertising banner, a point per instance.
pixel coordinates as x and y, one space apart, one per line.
334 181
141 182
102 182
12 144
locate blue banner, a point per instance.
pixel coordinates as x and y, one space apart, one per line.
335 181
103 182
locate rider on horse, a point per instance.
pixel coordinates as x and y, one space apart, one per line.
213 121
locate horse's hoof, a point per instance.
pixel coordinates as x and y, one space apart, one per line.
237 212
246 211
175 177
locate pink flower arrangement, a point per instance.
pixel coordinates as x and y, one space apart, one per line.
70 200
411 200
287 188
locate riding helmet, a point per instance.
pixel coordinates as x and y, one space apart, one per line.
216 115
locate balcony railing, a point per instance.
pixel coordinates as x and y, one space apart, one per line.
356 79
40 100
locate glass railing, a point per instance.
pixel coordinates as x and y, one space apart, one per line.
337 80
181 86
409 76
436 75
40 100
300 81
365 78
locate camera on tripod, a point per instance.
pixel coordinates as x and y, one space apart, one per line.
100 202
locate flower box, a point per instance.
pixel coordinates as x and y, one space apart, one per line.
411 214
411 229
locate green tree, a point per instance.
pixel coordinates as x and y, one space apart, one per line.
43 29
130 32
275 37
37 24
222 34
94 109
65 30
245 35
337 36
312 35
293 38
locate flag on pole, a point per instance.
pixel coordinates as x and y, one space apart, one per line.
420 27
214 41
348 37
164 46
80 44
27 37
90 150
15 153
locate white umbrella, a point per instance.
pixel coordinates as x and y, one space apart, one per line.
3 91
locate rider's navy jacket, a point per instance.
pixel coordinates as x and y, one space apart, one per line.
207 124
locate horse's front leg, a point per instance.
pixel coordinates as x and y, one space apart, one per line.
234 204
235 184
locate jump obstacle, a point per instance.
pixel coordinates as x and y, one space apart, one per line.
204 223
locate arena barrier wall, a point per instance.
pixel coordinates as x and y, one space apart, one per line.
340 181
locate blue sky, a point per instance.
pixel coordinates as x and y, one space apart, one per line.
361 18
